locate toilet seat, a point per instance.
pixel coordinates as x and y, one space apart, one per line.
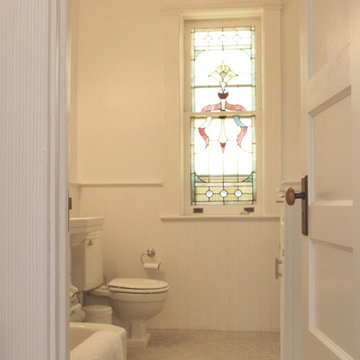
138 286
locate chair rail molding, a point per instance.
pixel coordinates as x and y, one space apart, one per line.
118 183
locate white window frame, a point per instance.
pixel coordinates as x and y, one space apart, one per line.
174 17
188 115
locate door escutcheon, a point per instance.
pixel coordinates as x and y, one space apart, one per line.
278 274
291 196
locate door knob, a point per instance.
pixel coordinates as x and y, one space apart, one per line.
291 196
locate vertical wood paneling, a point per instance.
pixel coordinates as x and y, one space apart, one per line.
24 112
29 179
220 272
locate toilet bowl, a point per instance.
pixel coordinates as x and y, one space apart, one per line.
134 301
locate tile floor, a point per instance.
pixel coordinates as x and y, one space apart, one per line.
208 345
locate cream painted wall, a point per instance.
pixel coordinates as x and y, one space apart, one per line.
74 189
220 272
74 37
291 119
119 90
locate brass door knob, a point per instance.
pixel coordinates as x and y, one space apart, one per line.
291 196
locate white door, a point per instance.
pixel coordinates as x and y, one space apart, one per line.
331 117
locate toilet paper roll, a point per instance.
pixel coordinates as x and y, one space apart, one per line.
152 266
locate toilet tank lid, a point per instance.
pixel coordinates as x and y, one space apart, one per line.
139 284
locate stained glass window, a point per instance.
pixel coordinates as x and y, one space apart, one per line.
223 143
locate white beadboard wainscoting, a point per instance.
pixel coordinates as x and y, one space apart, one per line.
220 271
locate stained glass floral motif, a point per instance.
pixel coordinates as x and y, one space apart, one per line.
213 49
223 149
223 160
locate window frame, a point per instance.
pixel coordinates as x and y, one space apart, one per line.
187 115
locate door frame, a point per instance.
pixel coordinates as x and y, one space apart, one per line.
271 21
56 221
34 176
290 289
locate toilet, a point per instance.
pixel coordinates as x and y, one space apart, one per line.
133 300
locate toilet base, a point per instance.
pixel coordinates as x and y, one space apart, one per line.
137 334
140 343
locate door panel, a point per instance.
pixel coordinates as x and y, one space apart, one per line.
330 253
331 131
330 273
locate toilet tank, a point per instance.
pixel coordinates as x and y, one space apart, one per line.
86 243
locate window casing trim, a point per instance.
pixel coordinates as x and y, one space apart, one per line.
269 13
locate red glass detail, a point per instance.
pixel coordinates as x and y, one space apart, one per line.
241 135
223 146
223 95
227 105
223 74
204 136
211 107
234 107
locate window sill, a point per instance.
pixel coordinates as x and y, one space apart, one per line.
179 218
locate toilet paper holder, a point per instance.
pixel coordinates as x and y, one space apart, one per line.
150 252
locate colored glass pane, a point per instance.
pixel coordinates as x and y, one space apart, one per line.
223 160
238 95
223 150
230 47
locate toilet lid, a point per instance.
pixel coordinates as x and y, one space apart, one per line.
139 285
